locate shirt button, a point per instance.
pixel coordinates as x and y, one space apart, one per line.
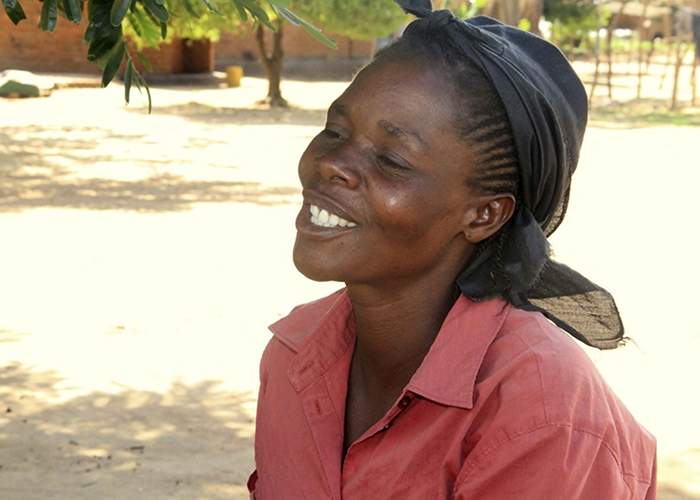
404 402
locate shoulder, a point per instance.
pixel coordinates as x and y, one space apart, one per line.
539 377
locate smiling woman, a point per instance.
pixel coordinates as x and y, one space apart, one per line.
442 369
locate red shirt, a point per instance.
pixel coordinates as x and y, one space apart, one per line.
504 406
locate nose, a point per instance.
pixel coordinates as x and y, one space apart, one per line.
339 166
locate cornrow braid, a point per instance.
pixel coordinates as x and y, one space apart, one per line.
481 120
480 116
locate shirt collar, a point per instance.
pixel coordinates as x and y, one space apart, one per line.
322 331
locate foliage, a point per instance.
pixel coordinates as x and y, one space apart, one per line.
573 21
359 19
148 22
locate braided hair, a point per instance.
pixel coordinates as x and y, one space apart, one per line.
480 119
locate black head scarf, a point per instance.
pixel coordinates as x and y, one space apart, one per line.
546 105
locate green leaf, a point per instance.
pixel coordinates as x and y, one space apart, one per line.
73 10
100 33
190 9
49 15
144 61
128 73
99 47
211 6
14 11
139 81
112 66
158 11
318 35
241 11
163 30
308 27
145 25
258 13
119 10
280 3
289 16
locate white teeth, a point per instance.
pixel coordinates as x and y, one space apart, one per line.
321 217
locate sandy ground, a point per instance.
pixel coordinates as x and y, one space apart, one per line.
141 258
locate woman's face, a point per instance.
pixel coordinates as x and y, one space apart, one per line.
384 183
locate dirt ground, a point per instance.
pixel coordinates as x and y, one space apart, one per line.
142 257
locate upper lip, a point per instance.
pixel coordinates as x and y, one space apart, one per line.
323 201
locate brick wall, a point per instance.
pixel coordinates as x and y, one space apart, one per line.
297 44
28 48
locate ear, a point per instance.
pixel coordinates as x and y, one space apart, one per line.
486 215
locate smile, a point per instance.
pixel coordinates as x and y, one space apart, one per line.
324 218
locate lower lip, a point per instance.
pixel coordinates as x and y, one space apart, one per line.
306 227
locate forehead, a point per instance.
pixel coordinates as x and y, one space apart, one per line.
408 93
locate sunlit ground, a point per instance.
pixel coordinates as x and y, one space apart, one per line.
143 256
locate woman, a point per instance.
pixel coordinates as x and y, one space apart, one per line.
438 372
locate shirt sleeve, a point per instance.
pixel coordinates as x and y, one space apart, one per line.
550 462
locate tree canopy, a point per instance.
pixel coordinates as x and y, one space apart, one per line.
148 21
360 19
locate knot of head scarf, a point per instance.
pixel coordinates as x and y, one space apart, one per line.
547 108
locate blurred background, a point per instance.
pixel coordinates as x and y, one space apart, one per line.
142 256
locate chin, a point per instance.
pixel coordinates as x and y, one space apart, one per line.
315 273
313 267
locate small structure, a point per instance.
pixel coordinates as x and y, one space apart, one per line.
15 83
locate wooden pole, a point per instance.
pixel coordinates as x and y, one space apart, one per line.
693 74
596 72
608 53
680 54
609 37
642 31
667 63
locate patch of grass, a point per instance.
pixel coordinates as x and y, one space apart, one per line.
643 113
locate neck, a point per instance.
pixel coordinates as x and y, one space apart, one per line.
396 325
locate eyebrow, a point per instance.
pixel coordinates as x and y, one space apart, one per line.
340 109
402 134
406 136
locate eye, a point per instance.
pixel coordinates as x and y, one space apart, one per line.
388 162
331 134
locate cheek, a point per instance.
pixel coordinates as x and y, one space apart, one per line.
409 216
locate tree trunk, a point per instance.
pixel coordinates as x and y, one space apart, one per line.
272 61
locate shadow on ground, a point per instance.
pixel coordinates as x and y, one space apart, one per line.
642 113
193 441
190 442
7 336
45 167
249 116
